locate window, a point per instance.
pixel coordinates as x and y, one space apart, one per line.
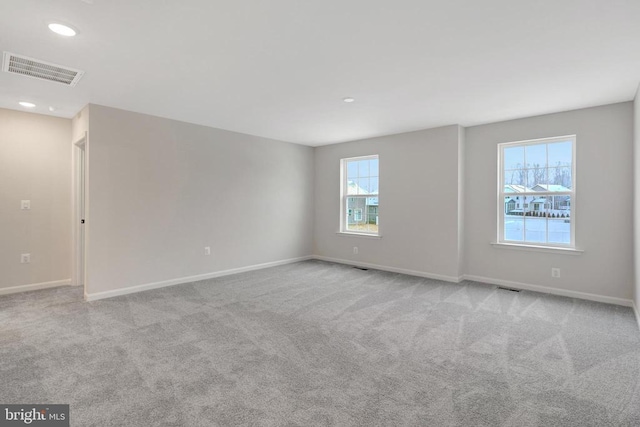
359 194
542 173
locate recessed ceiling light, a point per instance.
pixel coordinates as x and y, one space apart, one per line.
52 109
349 99
27 104
63 30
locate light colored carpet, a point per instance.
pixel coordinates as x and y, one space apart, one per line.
316 343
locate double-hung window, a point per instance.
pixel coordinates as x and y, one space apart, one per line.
536 187
359 195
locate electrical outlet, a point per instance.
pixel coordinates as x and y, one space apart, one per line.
355 250
207 250
25 258
25 205
555 272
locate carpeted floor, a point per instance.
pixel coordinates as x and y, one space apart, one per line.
316 343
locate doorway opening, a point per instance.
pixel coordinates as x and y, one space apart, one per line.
79 211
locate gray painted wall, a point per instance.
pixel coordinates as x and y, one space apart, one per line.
35 164
439 185
603 206
419 205
161 190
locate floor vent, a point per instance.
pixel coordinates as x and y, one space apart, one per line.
41 70
508 289
360 268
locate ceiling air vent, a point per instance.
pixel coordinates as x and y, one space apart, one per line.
41 70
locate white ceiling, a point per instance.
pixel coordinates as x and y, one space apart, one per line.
280 68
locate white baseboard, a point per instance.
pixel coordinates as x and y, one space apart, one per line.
34 286
499 282
148 286
553 291
454 279
391 269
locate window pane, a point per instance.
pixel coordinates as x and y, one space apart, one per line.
514 177
352 187
514 157
352 170
535 229
560 154
536 155
371 212
355 207
509 205
560 231
537 206
537 176
559 205
373 185
547 179
363 168
363 186
373 167
559 220
560 178
513 227
362 215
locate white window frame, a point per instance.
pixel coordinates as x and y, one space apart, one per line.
572 193
344 195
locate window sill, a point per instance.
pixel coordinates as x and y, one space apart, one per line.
533 248
369 236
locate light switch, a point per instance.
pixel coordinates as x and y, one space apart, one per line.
25 205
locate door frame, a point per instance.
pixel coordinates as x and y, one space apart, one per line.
79 258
